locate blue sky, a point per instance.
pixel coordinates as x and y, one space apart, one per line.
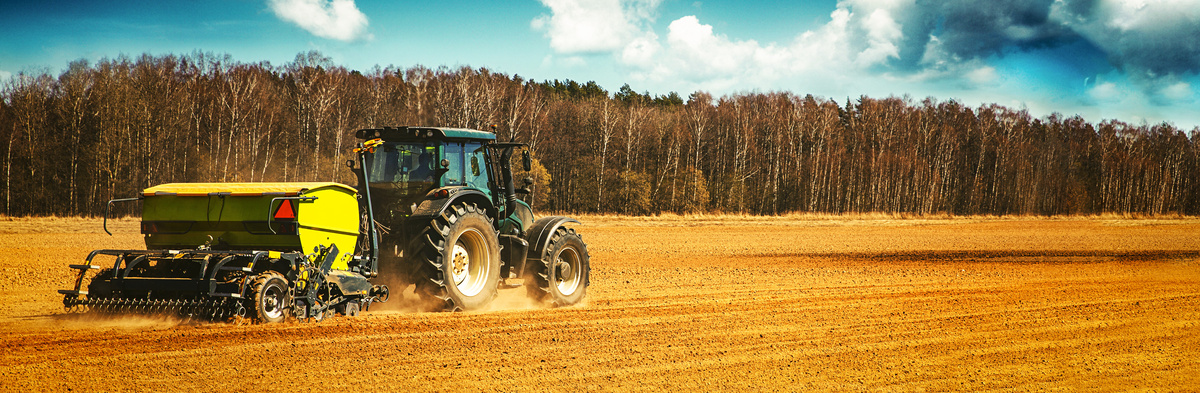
1134 60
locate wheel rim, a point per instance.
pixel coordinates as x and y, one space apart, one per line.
567 271
470 262
272 302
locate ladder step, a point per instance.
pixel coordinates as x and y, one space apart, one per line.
84 267
232 295
237 269
72 292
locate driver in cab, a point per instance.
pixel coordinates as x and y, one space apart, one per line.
423 171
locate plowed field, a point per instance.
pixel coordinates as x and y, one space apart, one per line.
698 304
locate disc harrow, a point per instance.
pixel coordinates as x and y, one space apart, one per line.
189 309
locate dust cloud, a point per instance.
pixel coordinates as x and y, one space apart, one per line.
94 321
407 300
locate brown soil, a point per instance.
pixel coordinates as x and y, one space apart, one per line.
700 303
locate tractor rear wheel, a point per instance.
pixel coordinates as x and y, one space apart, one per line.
459 257
561 277
270 291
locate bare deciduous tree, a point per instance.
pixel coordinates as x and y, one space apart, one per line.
104 130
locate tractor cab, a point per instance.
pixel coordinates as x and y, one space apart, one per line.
409 163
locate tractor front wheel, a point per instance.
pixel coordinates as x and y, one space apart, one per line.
561 276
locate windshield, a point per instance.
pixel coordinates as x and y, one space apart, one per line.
402 163
400 174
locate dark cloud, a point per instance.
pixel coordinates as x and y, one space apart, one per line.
916 25
1149 42
969 29
1159 53
1081 7
973 29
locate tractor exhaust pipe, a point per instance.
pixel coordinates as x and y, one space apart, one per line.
510 190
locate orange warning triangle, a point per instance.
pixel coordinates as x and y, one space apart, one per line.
285 210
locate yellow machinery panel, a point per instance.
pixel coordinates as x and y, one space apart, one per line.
246 216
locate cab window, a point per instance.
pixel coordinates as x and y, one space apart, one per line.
402 163
476 166
453 152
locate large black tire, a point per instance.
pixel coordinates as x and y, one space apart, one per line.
562 276
459 260
270 294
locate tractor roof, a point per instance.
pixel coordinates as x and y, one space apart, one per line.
422 133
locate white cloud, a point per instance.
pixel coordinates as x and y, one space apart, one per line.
1106 91
583 26
883 47
1179 91
1128 15
334 19
984 75
827 47
701 53
691 52
641 51
882 34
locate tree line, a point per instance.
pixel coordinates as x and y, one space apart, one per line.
107 130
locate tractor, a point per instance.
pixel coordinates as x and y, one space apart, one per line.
436 209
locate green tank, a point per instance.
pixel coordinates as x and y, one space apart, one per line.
252 216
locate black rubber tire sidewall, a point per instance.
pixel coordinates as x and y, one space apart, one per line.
545 289
262 284
571 240
472 220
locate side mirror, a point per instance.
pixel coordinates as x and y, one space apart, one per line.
445 163
350 164
526 162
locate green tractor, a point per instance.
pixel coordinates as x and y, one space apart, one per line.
435 208
454 225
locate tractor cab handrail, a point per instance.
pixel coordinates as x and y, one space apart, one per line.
108 210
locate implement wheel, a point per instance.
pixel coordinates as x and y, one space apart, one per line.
271 301
561 277
460 260
350 309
